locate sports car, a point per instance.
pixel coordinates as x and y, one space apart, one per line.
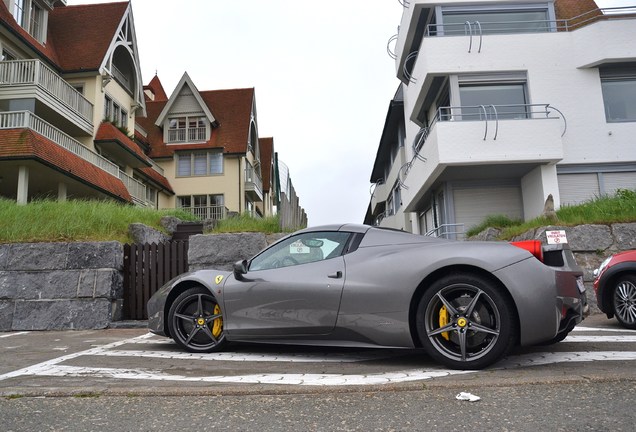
466 304
615 287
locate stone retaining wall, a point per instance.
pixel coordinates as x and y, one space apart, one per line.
55 286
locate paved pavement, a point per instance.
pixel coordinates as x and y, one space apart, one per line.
135 362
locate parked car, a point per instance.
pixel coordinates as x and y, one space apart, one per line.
465 303
615 287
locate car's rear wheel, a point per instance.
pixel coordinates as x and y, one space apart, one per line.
465 322
624 301
196 321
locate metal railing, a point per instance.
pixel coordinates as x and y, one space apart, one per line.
34 72
448 231
183 135
207 213
28 120
251 177
485 113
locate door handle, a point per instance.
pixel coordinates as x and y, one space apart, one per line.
336 275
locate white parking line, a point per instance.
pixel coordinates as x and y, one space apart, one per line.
13 334
603 329
612 338
55 368
248 357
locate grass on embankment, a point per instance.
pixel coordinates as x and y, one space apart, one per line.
605 210
52 221
246 223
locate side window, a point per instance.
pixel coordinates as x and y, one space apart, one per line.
301 249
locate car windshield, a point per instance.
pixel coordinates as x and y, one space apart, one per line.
301 249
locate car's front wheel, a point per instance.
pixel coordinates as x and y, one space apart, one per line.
196 321
624 301
465 322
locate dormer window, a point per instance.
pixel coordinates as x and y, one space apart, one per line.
31 17
186 129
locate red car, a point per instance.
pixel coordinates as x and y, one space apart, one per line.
615 287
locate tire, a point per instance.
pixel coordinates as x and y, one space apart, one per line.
196 321
624 301
465 322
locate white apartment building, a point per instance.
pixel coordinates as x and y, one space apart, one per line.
501 104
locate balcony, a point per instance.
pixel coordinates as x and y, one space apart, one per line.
502 135
253 185
28 120
207 213
440 48
32 79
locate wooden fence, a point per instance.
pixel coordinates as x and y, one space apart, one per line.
146 268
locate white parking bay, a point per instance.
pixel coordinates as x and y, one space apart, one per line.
151 358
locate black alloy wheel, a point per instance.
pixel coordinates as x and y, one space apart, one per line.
196 321
465 322
624 301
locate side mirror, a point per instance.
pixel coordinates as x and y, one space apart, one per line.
240 268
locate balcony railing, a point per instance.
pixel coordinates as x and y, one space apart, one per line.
207 213
448 231
34 72
28 120
479 28
253 182
488 113
186 135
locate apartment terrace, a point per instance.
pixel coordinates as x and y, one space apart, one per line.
25 79
28 120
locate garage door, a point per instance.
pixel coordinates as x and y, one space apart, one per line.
614 181
473 205
578 188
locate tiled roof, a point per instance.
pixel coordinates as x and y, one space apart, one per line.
108 132
157 178
26 144
78 36
156 88
231 108
267 152
82 34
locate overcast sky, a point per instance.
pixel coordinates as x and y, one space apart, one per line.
321 73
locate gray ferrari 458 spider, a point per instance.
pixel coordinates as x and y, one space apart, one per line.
465 303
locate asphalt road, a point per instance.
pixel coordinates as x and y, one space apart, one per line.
127 379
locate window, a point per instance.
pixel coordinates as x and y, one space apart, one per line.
496 20
36 23
18 11
506 92
618 84
301 249
199 163
186 129
394 202
113 112
7 55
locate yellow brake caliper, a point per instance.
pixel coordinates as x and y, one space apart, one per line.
217 324
443 320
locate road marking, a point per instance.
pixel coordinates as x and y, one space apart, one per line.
603 329
54 368
13 334
612 338
92 351
250 357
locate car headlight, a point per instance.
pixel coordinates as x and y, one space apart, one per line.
604 264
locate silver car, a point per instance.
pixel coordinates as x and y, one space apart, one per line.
465 303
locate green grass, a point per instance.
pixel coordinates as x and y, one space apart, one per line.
52 221
246 223
605 210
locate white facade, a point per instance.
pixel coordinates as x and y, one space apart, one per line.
511 104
